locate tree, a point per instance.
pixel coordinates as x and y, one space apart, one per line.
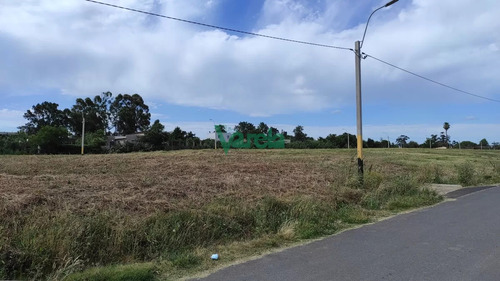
41 115
222 128
443 139
50 138
467 144
245 128
371 143
178 137
262 128
484 143
95 111
401 140
274 131
299 134
129 114
413 144
155 135
446 126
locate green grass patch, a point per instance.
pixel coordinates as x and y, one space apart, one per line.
131 272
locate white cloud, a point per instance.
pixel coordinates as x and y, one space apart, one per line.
82 49
11 119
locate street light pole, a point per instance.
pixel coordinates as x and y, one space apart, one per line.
359 115
215 134
358 56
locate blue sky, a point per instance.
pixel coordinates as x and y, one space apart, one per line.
60 50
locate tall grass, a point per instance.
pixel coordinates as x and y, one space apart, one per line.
39 243
161 218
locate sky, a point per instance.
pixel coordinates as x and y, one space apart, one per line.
193 76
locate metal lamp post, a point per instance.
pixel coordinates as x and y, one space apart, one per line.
358 56
215 134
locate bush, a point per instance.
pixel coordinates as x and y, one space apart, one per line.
466 174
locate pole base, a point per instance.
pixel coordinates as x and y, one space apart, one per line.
360 172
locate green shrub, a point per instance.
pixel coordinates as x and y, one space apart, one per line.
133 272
466 173
399 186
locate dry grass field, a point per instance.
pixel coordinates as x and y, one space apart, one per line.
65 213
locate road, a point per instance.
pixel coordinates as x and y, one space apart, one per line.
455 240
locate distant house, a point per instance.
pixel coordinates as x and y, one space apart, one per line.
122 140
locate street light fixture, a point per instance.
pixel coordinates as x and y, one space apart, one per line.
358 57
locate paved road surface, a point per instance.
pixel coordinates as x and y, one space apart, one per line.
455 240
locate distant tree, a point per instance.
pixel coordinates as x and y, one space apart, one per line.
299 134
413 144
467 144
245 128
129 114
50 138
483 143
401 140
155 135
262 128
443 139
191 139
178 138
430 142
222 128
495 145
95 111
285 134
434 140
274 131
384 143
370 143
446 127
41 115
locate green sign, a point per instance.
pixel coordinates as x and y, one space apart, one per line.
237 140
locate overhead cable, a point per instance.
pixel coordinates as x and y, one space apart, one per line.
220 27
430 80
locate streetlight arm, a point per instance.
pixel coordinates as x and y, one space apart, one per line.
368 21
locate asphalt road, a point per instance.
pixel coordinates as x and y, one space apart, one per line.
455 240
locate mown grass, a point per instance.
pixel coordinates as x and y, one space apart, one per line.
150 216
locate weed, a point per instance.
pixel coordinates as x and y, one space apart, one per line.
403 185
424 198
132 272
187 260
466 173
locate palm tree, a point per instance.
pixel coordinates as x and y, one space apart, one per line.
446 126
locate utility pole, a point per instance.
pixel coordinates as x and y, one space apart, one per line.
359 115
358 56
83 134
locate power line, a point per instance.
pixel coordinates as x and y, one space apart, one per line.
430 80
291 41
220 27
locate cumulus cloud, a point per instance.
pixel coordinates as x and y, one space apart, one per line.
11 119
81 49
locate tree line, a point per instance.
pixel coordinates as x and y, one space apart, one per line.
52 130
